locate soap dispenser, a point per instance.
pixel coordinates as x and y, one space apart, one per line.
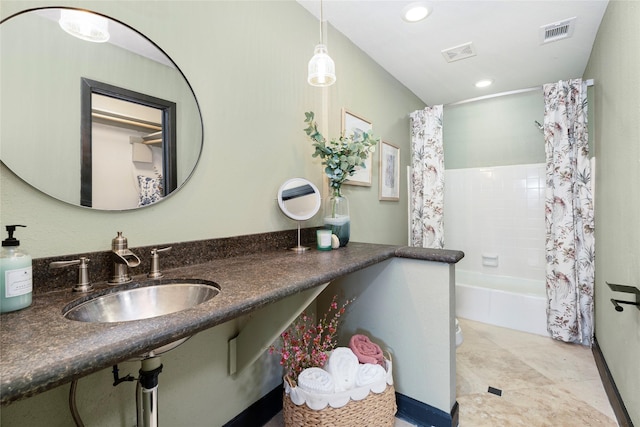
16 277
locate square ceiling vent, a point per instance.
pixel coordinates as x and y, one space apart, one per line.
459 52
557 31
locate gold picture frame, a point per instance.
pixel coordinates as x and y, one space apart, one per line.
351 122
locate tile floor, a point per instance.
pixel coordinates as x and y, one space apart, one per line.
543 382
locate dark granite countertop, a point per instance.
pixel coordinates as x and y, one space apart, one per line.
40 349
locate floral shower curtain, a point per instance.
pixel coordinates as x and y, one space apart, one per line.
568 213
427 178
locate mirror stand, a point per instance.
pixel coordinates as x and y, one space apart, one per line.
299 199
299 249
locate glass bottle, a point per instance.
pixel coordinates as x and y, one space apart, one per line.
336 216
16 274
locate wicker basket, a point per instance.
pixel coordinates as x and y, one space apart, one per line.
375 410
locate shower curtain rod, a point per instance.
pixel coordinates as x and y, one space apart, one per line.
496 95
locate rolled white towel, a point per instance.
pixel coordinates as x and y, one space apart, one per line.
316 380
368 374
343 367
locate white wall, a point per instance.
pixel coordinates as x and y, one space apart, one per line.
115 183
497 211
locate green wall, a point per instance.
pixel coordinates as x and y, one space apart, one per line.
499 131
246 61
617 151
494 132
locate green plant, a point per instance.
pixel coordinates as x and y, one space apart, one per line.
340 157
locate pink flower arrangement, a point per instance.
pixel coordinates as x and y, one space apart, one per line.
305 344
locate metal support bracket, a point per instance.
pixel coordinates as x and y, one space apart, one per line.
263 327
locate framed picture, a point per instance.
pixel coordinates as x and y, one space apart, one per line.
351 122
389 172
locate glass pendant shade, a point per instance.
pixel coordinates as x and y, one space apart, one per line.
84 25
322 70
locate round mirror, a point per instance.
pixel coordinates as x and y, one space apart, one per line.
299 199
110 125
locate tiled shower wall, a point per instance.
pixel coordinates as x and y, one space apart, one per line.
497 211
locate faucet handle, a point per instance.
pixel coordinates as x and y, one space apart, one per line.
155 263
83 285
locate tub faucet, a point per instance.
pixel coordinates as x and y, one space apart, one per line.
123 258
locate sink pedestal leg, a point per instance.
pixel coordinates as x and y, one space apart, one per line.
147 401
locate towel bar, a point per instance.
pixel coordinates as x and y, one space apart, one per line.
627 289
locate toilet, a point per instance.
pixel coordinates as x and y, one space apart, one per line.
459 337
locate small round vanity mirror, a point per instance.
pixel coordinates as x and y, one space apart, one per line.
299 199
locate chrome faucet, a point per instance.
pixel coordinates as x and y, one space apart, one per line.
123 258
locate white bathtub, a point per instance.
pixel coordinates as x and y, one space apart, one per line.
505 301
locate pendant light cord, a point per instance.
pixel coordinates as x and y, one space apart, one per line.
321 19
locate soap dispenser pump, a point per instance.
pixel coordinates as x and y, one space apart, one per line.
16 274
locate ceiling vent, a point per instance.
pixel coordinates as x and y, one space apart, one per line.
557 31
459 52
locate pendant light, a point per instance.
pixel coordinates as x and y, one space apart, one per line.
322 70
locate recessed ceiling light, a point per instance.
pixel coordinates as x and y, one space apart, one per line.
484 83
415 12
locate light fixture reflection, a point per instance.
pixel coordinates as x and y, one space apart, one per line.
85 25
321 68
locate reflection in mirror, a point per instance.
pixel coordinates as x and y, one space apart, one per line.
299 199
41 71
85 25
127 137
